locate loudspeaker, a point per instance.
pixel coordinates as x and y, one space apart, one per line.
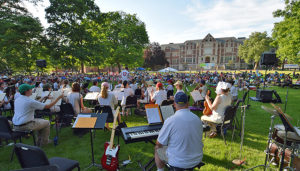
264 95
268 59
41 63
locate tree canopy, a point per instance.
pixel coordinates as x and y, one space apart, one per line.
21 37
125 37
253 47
154 56
286 34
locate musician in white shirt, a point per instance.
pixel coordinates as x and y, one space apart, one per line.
127 92
125 74
107 98
24 120
76 100
159 95
95 87
222 100
233 92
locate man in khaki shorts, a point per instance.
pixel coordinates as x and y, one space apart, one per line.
24 120
179 142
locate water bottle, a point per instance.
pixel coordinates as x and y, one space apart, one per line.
55 141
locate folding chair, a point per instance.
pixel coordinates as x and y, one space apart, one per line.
7 133
131 102
227 123
169 93
31 156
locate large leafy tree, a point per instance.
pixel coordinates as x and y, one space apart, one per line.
254 46
72 41
286 34
125 38
21 37
154 56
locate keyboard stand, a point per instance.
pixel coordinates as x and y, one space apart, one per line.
151 163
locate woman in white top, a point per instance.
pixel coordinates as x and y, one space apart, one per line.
223 99
159 95
107 99
127 92
76 100
233 91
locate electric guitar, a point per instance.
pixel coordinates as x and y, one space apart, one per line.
109 159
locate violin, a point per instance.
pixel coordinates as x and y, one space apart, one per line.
207 111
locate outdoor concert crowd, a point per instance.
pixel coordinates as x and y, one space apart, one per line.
10 84
28 98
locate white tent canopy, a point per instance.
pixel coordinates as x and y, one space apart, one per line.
168 69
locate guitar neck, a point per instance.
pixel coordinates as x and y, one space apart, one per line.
111 143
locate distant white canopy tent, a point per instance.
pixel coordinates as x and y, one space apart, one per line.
168 69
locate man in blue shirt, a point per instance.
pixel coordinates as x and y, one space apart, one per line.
179 141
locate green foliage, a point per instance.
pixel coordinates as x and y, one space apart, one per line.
154 56
286 34
71 41
125 38
21 37
253 47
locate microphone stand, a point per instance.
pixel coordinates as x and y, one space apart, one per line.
286 98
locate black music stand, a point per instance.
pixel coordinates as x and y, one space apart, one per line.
100 123
151 163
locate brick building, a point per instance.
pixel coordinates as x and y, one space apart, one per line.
215 53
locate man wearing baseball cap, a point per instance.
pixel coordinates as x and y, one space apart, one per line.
179 142
24 120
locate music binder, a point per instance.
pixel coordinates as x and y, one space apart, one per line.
196 95
153 114
91 96
166 111
90 120
2 95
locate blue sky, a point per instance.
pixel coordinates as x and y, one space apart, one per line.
179 20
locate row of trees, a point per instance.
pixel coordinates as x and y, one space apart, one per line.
285 38
78 35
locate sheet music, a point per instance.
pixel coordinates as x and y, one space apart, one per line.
2 95
118 94
33 96
48 101
38 92
196 95
91 96
153 115
66 91
150 89
166 111
44 94
55 95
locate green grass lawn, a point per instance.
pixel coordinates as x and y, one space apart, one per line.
217 156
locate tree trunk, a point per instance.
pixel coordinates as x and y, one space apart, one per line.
82 67
255 65
119 67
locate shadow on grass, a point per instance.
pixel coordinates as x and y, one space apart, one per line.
217 162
